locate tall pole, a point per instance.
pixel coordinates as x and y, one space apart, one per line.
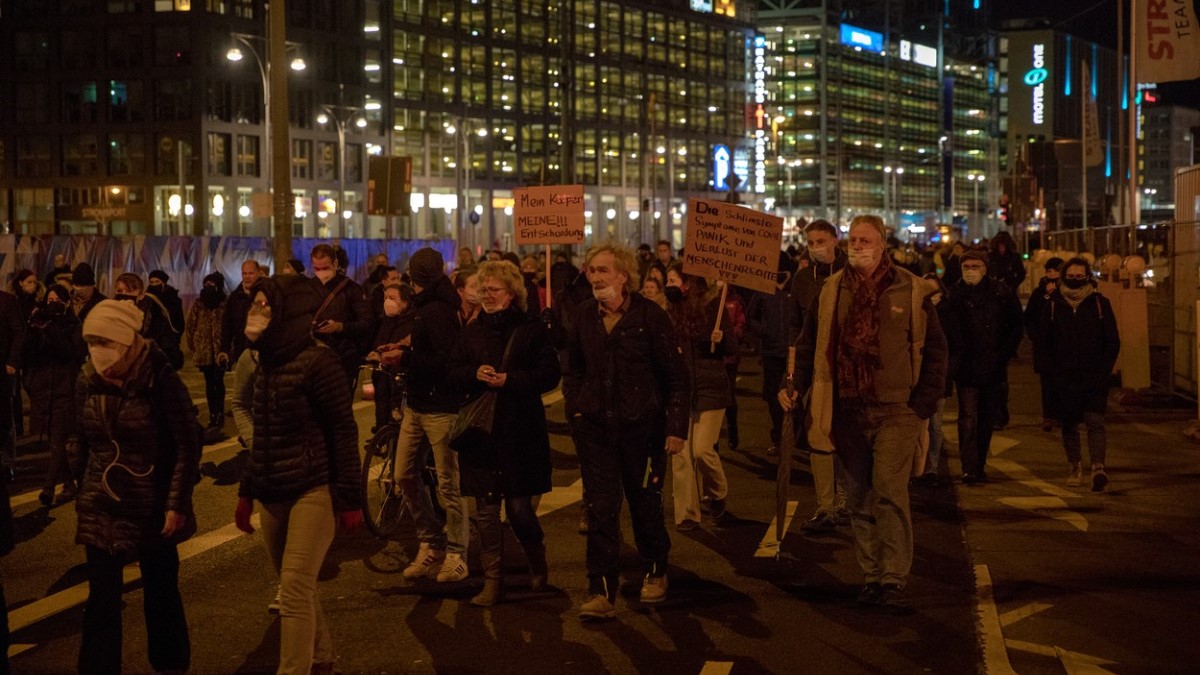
1084 92
1121 193
341 129
282 207
1134 205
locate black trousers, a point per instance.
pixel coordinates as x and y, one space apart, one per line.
978 406
774 368
166 627
628 466
214 390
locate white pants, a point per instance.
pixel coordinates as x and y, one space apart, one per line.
698 457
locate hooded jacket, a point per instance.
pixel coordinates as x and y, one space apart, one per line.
435 332
305 435
140 454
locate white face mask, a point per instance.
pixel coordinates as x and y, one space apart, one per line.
972 277
865 259
823 254
472 299
391 307
604 294
324 275
104 358
256 324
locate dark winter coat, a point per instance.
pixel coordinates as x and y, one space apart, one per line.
148 426
12 332
1033 313
516 463
393 329
770 317
633 377
710 382
1081 346
806 286
54 350
435 331
984 329
233 323
82 310
204 333
157 326
169 297
350 308
305 435
1007 267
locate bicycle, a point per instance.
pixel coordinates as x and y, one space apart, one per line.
383 503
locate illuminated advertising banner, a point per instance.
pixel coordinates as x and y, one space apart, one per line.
861 37
1031 83
760 97
702 6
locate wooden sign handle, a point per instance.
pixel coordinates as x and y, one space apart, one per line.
549 286
720 314
791 370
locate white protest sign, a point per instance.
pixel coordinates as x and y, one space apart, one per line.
548 214
732 243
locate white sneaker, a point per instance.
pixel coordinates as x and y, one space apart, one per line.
425 563
273 606
453 569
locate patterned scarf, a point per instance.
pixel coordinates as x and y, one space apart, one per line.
857 356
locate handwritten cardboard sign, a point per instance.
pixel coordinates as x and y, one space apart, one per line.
548 214
732 243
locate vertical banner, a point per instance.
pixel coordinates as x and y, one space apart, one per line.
733 244
1168 41
548 214
1093 153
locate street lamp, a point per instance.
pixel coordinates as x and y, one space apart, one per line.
235 55
462 178
976 179
341 115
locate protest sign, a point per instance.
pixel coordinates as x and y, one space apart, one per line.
548 214
733 244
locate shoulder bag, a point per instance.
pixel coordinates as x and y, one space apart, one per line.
472 428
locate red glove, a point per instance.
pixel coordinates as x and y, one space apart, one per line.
241 516
349 521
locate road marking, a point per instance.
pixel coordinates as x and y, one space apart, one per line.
560 497
13 650
1048 506
1082 664
995 656
67 598
550 398
769 546
1009 618
31 496
717 668
1031 648
1026 477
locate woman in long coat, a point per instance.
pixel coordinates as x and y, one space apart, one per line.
515 464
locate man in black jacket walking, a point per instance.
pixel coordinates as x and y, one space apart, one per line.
233 321
344 320
627 392
983 328
432 408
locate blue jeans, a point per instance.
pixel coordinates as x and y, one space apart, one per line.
977 409
1096 435
410 459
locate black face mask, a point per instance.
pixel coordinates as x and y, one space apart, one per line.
1074 284
673 293
210 293
125 296
529 276
55 308
155 289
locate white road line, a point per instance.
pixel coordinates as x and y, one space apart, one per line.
560 497
31 496
717 668
550 398
1082 664
13 650
65 599
1009 618
995 655
1031 648
769 546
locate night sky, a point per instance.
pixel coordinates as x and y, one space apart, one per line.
1098 24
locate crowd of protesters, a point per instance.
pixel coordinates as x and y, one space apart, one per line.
883 334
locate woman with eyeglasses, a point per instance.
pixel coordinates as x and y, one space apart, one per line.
1077 331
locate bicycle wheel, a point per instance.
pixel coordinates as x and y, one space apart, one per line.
383 505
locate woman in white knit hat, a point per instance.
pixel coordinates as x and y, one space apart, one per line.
141 452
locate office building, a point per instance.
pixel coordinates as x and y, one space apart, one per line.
1168 144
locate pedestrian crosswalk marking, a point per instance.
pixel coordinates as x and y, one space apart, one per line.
13 650
560 497
717 668
995 655
769 546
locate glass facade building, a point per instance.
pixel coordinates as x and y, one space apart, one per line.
874 117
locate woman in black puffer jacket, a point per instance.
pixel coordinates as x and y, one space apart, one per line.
140 451
50 359
303 466
515 464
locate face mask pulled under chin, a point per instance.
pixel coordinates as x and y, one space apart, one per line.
391 307
104 358
604 294
256 325
864 259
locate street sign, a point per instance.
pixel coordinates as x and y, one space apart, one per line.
389 186
722 165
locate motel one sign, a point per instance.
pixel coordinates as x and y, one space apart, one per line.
1036 78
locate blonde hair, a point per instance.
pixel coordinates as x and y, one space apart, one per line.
506 273
624 261
874 221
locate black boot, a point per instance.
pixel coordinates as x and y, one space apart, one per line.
538 569
491 553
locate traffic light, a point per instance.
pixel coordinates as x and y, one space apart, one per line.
1005 210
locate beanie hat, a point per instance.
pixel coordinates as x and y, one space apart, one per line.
216 278
426 266
160 275
83 275
114 320
975 255
1054 264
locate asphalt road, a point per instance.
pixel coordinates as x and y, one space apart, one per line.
1020 575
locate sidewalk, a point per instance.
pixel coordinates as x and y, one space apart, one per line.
1083 581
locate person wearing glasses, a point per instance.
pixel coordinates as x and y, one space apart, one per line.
983 329
1077 330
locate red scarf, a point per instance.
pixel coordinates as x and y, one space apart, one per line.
857 355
